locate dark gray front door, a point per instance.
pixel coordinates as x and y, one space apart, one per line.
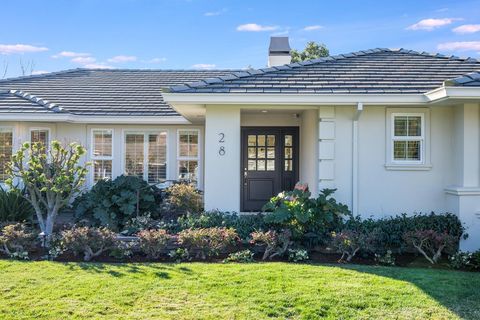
269 164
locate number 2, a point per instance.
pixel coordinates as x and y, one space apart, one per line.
222 137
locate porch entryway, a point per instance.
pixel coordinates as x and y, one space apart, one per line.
269 164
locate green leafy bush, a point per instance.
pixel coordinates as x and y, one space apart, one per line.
465 260
430 244
275 243
184 198
387 259
153 242
243 256
207 242
300 213
388 233
179 255
91 242
16 240
348 243
14 207
297 255
112 203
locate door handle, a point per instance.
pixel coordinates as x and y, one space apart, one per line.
245 176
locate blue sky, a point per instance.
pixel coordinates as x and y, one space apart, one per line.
183 34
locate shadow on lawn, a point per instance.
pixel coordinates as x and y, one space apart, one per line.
455 290
122 269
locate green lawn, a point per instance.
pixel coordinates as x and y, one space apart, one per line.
51 290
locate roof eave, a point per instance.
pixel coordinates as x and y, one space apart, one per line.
72 118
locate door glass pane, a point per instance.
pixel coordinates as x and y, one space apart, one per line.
261 140
252 165
288 165
261 165
288 153
271 140
288 140
270 165
252 140
271 153
261 153
252 152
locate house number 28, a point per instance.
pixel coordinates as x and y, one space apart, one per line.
221 139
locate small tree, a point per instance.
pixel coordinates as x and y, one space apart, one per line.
312 50
52 178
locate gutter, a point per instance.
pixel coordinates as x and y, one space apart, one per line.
71 118
355 161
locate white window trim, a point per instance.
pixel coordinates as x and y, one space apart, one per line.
183 158
14 145
145 150
408 165
92 147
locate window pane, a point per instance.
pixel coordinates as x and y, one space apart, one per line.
261 140
400 126
252 165
157 157
102 143
288 165
102 169
261 153
414 126
6 149
270 165
261 165
252 152
188 144
271 140
134 154
413 150
271 153
252 140
288 140
399 150
187 170
288 153
39 135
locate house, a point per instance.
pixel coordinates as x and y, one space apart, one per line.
393 130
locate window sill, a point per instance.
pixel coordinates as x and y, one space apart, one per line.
408 167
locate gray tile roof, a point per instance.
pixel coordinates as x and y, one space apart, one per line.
97 92
373 71
471 79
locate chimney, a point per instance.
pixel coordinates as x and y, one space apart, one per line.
279 51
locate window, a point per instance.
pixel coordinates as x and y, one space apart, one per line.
146 155
6 150
408 139
102 154
261 152
188 155
40 135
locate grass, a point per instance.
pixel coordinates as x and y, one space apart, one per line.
51 290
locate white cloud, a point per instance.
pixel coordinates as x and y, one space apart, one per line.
203 66
37 72
122 59
20 48
156 60
97 66
253 27
431 24
84 60
312 28
70 54
467 28
460 46
215 13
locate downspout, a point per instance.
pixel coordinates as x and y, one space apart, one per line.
355 158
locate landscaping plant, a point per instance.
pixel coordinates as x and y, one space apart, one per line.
184 198
207 242
430 244
348 243
179 255
51 177
243 256
153 242
276 244
14 207
113 203
465 260
16 240
91 242
298 255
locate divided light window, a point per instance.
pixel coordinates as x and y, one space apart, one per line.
146 155
408 137
188 155
102 154
6 150
40 135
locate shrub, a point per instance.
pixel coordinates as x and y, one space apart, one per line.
91 242
276 244
387 259
348 243
461 260
300 213
430 243
244 225
14 207
112 203
297 255
179 255
141 222
207 242
123 250
243 256
387 233
153 242
16 240
184 198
